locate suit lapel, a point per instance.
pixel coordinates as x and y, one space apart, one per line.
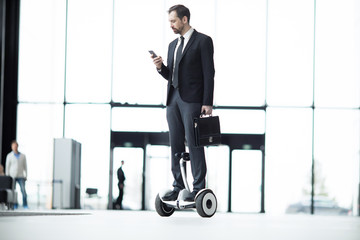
173 46
191 40
171 55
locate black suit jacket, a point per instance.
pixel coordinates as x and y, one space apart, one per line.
196 70
121 175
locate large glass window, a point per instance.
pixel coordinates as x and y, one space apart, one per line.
298 59
241 121
246 181
89 51
288 157
336 50
89 124
290 53
42 51
240 53
135 119
37 126
135 79
337 147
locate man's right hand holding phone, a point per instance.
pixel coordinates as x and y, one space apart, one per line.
157 60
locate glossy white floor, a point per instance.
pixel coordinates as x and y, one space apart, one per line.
89 225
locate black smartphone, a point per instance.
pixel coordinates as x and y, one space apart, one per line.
153 53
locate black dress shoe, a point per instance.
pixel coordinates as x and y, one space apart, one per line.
171 196
191 197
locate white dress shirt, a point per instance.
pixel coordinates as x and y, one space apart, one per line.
187 37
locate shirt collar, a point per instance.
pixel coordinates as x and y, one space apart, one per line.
188 34
17 154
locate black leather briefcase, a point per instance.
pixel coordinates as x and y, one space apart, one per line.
207 131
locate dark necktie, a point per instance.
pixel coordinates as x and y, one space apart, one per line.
176 70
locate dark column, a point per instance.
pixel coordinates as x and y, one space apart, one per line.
262 204
9 33
143 180
230 178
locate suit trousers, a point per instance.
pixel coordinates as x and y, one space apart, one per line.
180 117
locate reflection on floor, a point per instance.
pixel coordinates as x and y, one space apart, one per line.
89 225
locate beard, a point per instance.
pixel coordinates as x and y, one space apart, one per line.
178 30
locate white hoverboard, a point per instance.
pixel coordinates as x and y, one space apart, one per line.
205 200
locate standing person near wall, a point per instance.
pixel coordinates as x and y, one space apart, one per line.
121 178
16 167
190 74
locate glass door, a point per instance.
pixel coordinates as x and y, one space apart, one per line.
159 177
246 180
217 178
158 173
133 171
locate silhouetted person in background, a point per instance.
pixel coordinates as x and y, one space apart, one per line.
121 178
16 168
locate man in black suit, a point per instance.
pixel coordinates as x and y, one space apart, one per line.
121 178
190 74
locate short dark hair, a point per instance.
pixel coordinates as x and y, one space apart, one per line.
181 11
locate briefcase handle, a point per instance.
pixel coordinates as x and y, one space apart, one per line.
202 115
